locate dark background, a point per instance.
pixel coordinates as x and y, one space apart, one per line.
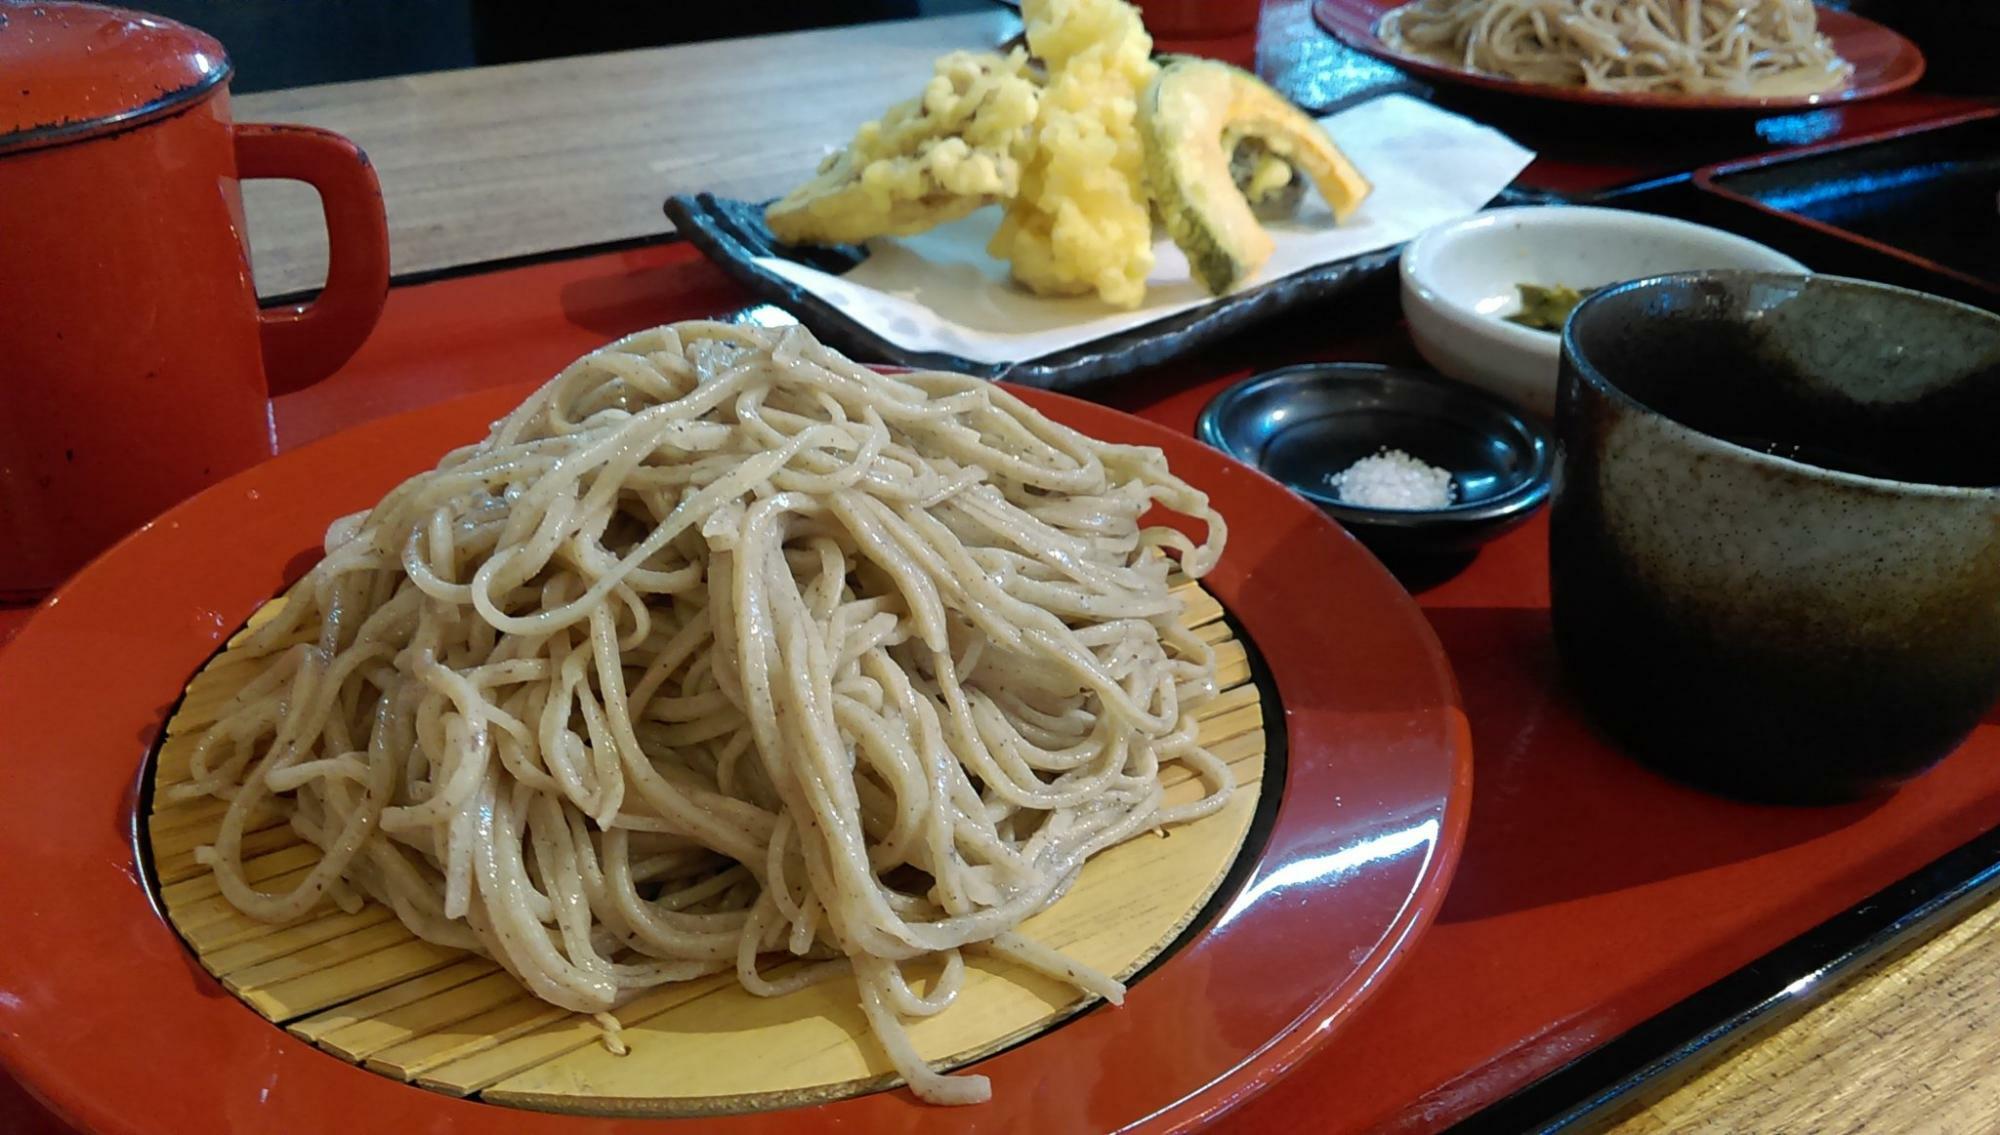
290 43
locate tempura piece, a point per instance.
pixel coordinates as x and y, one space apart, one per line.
932 159
1195 119
1080 222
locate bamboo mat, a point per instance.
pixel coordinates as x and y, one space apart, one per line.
365 989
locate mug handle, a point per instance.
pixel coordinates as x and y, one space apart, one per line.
305 342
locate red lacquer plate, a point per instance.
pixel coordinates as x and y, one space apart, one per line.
108 1018
1884 63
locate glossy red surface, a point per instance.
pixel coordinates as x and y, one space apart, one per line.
81 69
1884 62
136 356
1376 797
1592 893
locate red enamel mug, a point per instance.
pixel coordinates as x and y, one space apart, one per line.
135 364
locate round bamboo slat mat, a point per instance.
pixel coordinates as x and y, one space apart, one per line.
363 988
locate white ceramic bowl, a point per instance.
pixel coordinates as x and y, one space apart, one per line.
1459 280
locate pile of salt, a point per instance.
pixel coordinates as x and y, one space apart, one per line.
1394 479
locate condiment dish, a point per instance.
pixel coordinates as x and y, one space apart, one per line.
1460 281
1304 425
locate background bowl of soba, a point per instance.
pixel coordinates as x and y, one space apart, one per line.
1883 62
1461 281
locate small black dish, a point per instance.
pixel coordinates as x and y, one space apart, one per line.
1305 424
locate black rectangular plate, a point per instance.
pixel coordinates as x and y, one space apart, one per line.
731 233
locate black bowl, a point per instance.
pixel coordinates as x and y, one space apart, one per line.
1773 553
1304 424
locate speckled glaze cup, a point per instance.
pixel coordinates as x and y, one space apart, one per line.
1775 539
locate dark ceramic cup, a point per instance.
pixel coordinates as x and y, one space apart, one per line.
1775 539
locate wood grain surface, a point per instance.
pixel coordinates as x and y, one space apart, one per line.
1909 1046
507 161
492 162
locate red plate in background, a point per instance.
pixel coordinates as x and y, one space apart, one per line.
106 1016
1884 62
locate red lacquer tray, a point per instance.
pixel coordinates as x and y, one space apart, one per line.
1351 867
1592 895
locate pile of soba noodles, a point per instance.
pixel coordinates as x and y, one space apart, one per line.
1681 46
721 647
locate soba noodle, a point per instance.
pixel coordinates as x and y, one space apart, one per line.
722 646
1686 46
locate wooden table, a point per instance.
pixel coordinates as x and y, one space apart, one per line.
496 162
503 162
1907 1046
